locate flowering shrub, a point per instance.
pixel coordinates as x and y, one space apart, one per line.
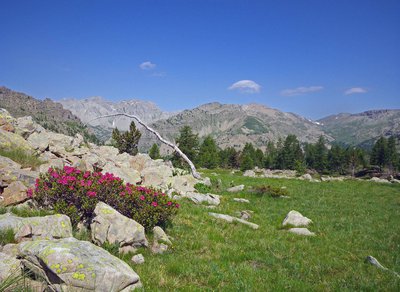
75 193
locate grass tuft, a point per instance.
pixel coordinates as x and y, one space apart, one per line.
22 157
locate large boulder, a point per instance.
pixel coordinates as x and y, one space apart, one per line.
295 218
15 193
156 176
73 265
9 140
236 189
127 174
25 126
32 228
108 225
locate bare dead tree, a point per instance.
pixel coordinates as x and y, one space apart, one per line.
161 139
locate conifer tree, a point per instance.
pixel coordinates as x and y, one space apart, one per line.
208 155
127 141
188 142
154 152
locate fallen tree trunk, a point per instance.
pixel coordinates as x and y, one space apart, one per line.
161 139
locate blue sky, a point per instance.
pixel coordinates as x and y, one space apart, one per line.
313 58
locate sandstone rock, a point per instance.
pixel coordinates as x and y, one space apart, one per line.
231 219
236 189
72 265
160 235
9 266
32 228
108 225
15 193
128 175
138 259
301 231
198 198
294 218
241 200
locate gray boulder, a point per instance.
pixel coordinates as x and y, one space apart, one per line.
160 235
232 219
108 225
241 200
198 198
249 173
15 193
128 175
73 265
295 218
33 228
138 259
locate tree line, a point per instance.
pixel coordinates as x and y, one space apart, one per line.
286 153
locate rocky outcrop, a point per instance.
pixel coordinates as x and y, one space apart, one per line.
32 228
108 225
73 265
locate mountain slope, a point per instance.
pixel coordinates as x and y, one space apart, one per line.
235 125
51 115
362 129
93 107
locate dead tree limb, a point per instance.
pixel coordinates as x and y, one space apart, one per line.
172 145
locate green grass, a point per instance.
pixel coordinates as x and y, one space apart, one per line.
22 157
7 236
352 219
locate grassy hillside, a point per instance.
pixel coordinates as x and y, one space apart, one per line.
352 219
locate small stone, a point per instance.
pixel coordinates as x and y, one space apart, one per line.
245 215
296 219
160 235
15 193
301 231
159 248
127 249
138 259
241 200
236 189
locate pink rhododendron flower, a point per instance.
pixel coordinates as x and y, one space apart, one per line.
29 193
154 204
91 194
142 197
86 174
177 205
169 203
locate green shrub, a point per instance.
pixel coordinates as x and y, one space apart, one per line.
127 141
202 188
74 193
266 190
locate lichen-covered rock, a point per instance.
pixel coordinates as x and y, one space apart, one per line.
9 175
54 163
295 218
33 228
9 140
15 193
72 265
231 219
159 248
138 259
9 266
108 225
183 184
249 173
25 126
156 176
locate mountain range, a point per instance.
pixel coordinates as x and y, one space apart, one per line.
230 124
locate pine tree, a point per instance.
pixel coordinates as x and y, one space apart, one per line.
379 154
127 141
208 155
291 153
321 152
246 162
188 142
393 156
270 155
336 160
154 152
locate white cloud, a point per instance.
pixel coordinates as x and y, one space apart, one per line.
301 90
355 90
246 86
147 65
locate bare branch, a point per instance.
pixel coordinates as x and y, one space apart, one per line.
172 145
